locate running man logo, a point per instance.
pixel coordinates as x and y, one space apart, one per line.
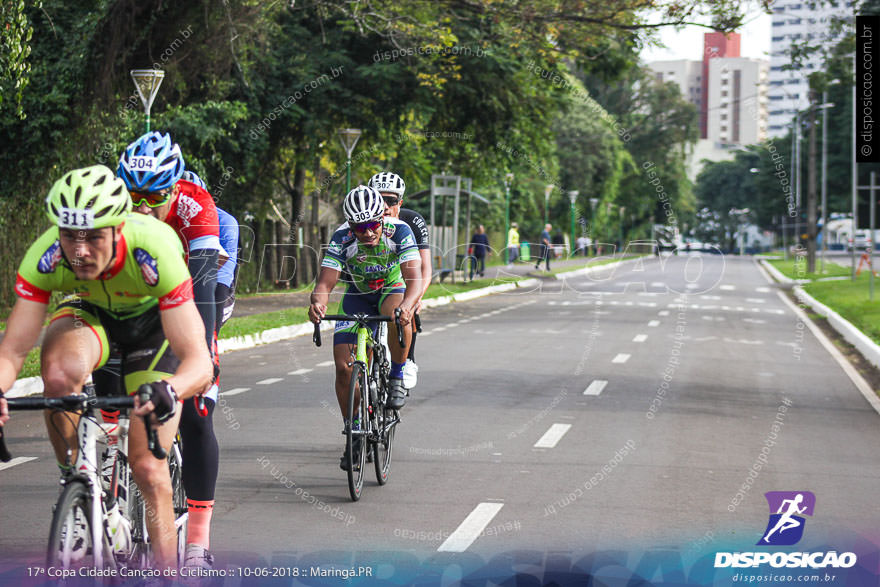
786 524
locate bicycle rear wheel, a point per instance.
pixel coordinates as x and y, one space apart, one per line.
356 444
70 535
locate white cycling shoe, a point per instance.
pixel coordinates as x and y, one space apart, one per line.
410 374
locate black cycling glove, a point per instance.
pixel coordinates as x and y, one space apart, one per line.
164 400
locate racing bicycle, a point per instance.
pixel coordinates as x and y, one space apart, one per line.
370 371
100 519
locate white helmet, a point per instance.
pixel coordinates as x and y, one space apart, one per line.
387 181
363 204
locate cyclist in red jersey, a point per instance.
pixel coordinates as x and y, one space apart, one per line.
152 168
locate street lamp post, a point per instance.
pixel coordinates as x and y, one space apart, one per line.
572 195
547 190
349 138
147 82
593 203
741 214
508 179
622 209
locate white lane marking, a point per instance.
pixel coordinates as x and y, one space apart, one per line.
300 372
552 437
425 333
692 286
325 364
640 338
654 323
663 313
470 529
728 287
270 381
762 289
596 387
261 363
754 321
756 300
453 325
648 304
621 358
235 391
658 284
16 461
710 297
439 329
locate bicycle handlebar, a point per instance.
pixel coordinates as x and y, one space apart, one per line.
79 402
360 319
144 392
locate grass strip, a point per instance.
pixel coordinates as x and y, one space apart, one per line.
797 269
851 300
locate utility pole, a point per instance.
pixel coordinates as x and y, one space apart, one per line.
811 189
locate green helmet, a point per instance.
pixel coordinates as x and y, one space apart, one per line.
92 197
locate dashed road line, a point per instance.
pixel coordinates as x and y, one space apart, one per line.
235 391
640 338
663 313
470 529
596 387
325 364
16 461
728 287
300 372
270 381
654 323
552 437
621 358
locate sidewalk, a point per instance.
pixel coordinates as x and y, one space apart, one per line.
271 302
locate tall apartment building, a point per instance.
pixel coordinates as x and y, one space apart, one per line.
729 91
795 21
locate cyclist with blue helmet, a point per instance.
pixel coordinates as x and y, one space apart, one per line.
152 168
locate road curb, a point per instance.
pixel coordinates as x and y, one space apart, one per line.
862 342
775 273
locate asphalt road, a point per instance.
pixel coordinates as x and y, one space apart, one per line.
619 410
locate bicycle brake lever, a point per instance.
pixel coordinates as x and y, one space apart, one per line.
399 327
201 408
316 337
418 321
152 435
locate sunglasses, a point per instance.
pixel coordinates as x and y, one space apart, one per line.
151 199
365 226
391 200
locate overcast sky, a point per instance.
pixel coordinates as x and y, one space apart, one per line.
687 43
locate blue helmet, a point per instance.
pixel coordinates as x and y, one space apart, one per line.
151 164
191 177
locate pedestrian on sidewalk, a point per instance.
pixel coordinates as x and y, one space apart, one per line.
477 250
512 243
544 243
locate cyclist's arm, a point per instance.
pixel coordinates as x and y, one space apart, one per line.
327 279
184 330
22 330
412 275
427 270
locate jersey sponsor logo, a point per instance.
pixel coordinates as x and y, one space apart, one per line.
50 259
375 268
336 249
149 267
187 209
375 284
408 241
361 258
22 290
390 229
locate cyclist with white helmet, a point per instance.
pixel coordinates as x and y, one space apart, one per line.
392 187
152 168
380 255
127 285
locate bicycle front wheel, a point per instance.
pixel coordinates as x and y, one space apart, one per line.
356 444
387 419
178 496
70 535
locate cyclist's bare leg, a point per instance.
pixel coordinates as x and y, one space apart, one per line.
342 356
152 478
68 355
398 354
